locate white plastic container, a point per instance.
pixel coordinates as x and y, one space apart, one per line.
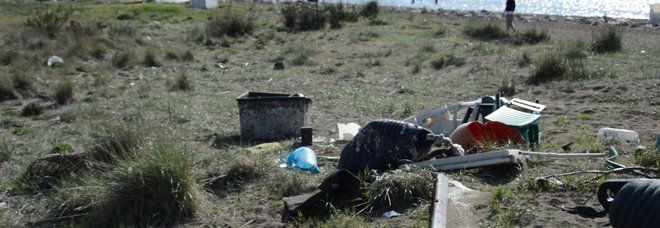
623 135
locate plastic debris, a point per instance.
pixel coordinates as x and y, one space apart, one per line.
347 131
303 158
391 214
53 60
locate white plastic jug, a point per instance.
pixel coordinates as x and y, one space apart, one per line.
623 135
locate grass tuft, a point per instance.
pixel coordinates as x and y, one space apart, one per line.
181 83
32 109
188 56
123 59
400 190
158 188
6 90
64 91
608 41
485 31
150 59
531 36
115 143
447 60
230 23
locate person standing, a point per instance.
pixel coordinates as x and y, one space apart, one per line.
508 14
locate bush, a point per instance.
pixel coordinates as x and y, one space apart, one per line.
485 31
525 60
156 189
63 148
99 51
64 91
370 10
32 109
171 55
576 50
49 21
9 57
608 41
231 23
123 29
150 59
123 59
531 36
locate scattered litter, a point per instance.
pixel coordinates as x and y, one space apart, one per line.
265 147
204 4
440 201
623 135
657 142
303 158
347 131
54 60
391 214
222 66
548 154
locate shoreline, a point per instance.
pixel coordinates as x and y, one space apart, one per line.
523 17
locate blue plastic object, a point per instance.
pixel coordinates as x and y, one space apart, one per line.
657 142
303 158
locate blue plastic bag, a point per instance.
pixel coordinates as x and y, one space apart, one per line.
303 158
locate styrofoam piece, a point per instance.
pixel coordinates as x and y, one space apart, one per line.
347 131
623 135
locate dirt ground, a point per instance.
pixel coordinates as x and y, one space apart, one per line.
358 73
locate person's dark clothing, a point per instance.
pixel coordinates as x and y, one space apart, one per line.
510 5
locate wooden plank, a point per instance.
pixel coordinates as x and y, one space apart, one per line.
439 216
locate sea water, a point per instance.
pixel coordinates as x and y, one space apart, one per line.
637 9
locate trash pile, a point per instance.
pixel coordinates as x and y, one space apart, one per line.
459 136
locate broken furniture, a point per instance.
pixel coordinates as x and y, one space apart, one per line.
272 116
445 119
522 115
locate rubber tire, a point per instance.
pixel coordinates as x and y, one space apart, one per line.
636 205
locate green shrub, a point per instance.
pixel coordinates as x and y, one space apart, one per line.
550 67
508 88
49 21
6 151
123 59
32 109
231 23
99 51
61 148
158 188
608 41
150 59
531 36
64 91
485 31
371 9
442 31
